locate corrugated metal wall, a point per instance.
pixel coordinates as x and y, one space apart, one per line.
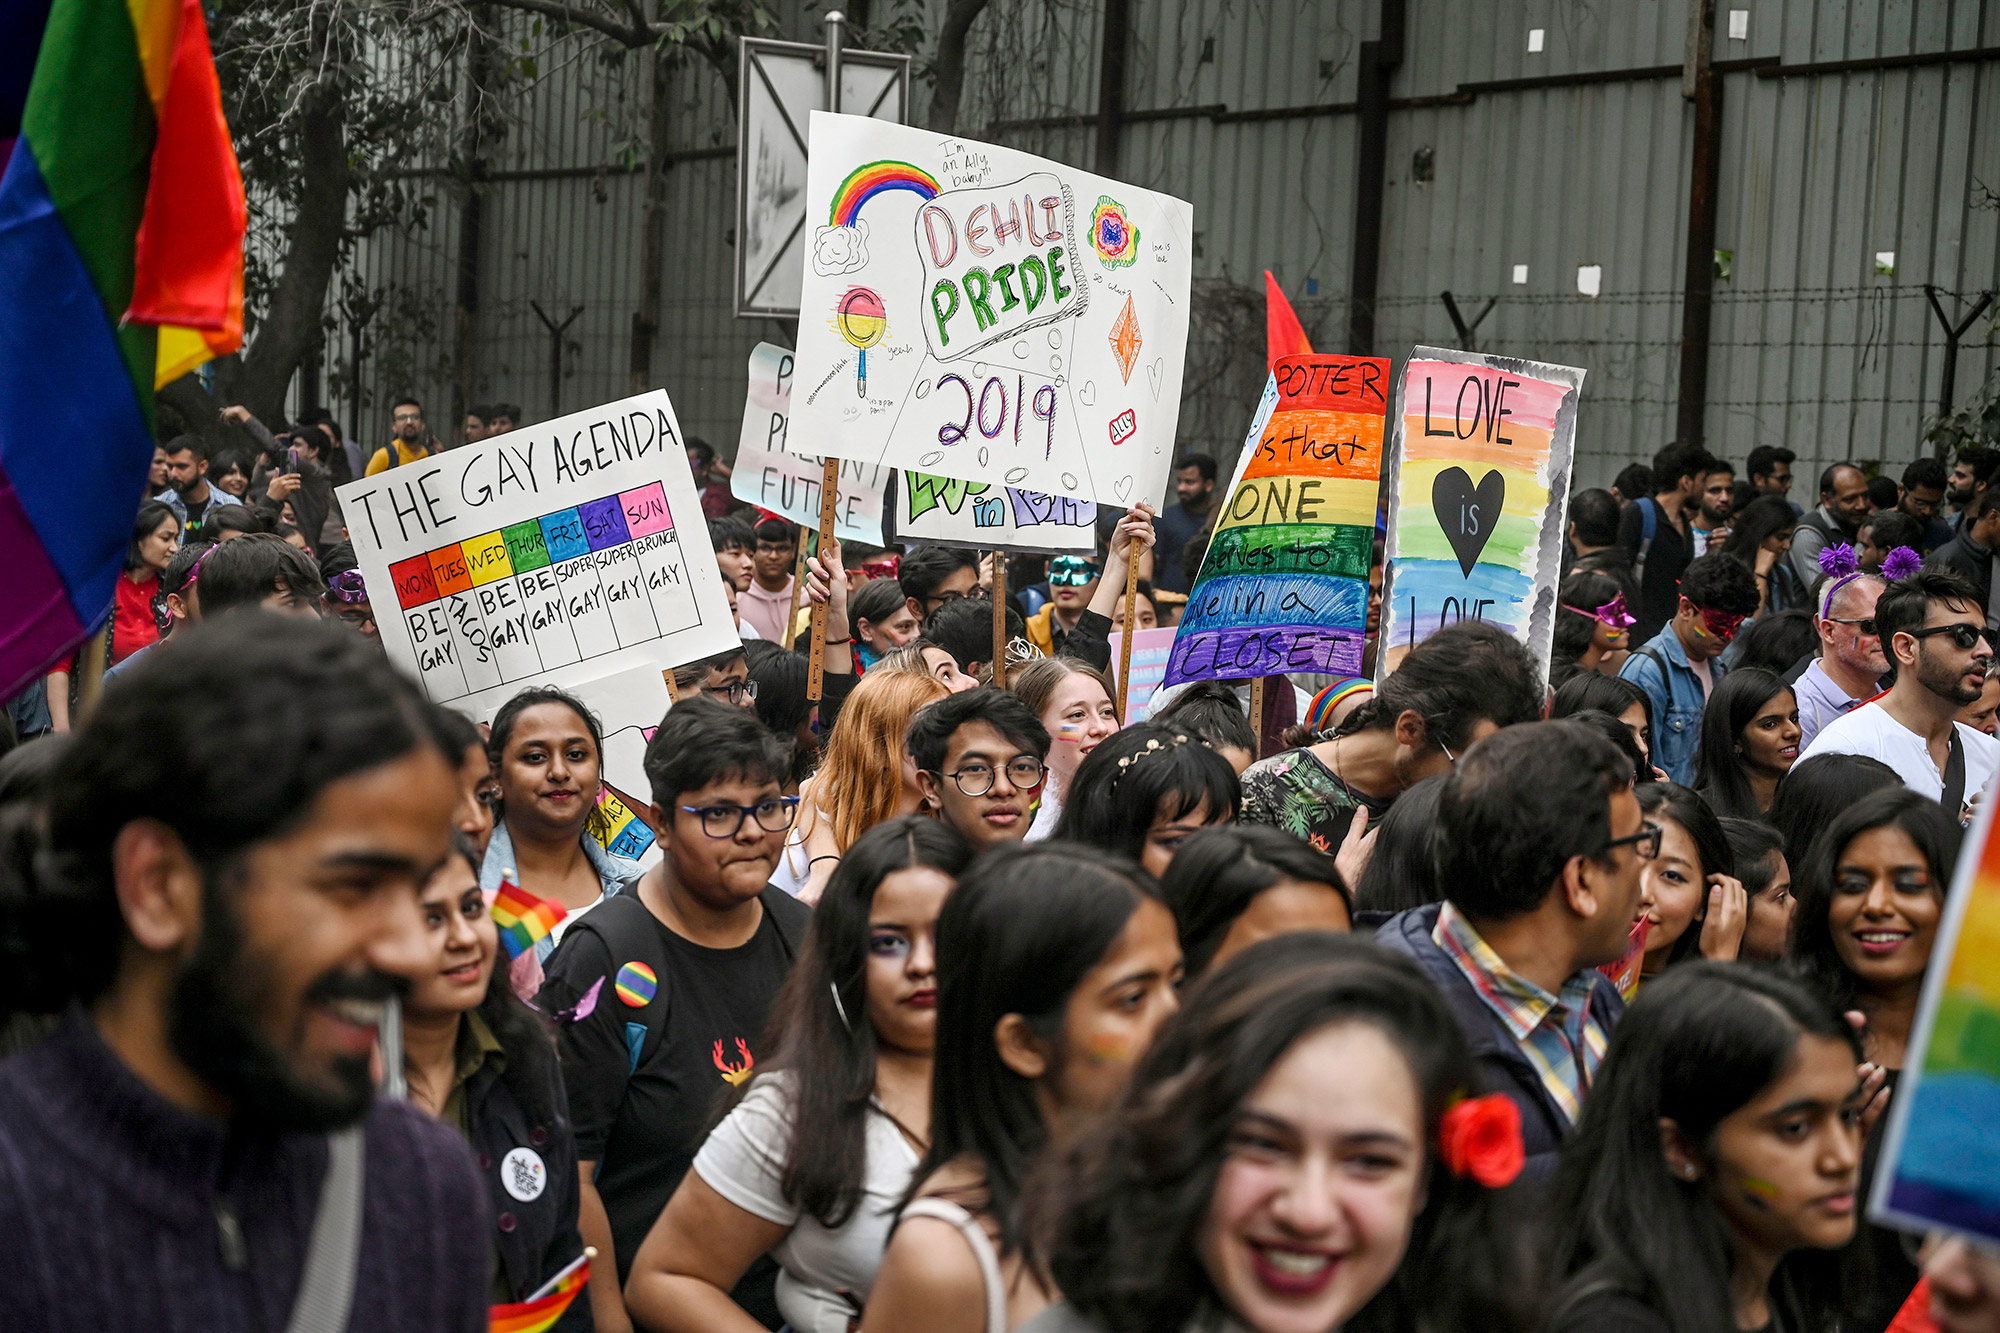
1247 110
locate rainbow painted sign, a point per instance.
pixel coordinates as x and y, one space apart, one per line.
1477 497
1938 1167
1284 586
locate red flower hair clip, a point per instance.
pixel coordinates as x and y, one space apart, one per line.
1480 1137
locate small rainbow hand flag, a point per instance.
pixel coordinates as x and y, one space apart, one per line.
524 919
540 1313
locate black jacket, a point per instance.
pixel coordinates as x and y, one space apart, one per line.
1502 1065
1961 555
537 1236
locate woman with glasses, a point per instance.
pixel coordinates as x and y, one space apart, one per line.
1593 627
547 751
1870 896
1056 965
1693 904
1144 791
813 1161
1749 740
662 994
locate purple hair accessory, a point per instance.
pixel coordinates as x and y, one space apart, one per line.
1837 559
1901 563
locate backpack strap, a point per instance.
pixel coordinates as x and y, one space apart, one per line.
1649 527
1953 799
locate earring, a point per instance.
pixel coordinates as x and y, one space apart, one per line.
1687 1168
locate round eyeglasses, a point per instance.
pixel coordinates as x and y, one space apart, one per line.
1024 773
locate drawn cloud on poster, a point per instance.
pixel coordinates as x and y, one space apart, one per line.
1112 234
838 250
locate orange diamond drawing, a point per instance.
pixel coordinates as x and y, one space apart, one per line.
1125 340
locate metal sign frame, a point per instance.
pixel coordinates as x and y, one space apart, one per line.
754 53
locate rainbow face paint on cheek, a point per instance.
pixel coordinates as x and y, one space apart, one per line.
1760 1190
1105 1048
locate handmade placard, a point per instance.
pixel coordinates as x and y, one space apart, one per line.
1284 585
768 474
945 511
1938 1168
1150 650
976 312
1479 470
550 555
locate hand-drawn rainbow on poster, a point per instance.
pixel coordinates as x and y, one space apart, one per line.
1284 585
1480 487
1938 1167
973 312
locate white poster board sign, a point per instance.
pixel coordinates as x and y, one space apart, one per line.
768 474
972 311
550 555
945 511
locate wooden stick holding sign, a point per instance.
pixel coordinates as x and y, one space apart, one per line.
1132 550
829 487
999 619
798 590
1257 715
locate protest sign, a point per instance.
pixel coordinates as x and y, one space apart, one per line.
629 705
1938 1168
549 555
768 474
1284 585
1479 458
948 512
976 312
1150 650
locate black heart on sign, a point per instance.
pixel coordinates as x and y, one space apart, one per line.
1467 515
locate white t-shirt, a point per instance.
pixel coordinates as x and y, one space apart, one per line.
1870 731
743 1160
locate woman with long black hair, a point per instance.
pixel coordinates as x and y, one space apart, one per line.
1298 1151
1715 1167
475 1056
1749 740
1593 630
1056 965
1589 692
1692 901
1235 884
1760 536
813 1161
1144 790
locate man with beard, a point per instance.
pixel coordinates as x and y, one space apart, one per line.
1709 527
221 902
1843 503
1935 628
411 442
1970 476
1850 661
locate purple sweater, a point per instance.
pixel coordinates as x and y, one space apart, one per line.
108 1208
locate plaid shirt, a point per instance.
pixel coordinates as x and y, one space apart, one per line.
1555 1032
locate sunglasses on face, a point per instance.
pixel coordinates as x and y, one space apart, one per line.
1865 624
1070 571
1962 636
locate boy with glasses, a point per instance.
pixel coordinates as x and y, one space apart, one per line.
1679 667
683 970
979 758
1934 626
411 442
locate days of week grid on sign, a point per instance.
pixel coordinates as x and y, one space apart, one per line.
547 592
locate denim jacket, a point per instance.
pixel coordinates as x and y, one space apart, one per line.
1677 701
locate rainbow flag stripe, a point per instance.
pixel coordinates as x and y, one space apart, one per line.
538 1315
871 179
121 245
524 919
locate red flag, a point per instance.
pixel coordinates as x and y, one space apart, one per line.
1282 334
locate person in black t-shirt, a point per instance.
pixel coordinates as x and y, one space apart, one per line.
1657 558
683 969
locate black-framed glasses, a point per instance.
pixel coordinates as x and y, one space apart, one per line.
722 821
737 693
1024 772
1645 843
1962 635
1865 624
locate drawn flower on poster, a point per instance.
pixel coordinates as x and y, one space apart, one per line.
861 320
1125 340
1112 234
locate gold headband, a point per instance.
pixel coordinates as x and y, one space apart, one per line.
1153 746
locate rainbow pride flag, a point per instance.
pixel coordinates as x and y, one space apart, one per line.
524 919
540 1314
121 267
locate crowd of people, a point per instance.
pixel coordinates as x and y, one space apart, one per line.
958 999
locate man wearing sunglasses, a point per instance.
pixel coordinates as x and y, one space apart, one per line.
1679 667
1851 661
1934 627
683 968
